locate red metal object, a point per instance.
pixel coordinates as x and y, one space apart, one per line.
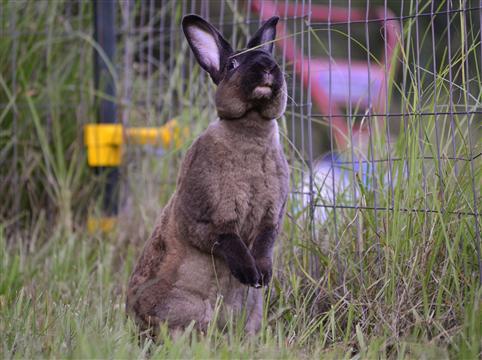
363 79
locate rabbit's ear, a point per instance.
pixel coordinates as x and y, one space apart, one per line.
209 47
265 35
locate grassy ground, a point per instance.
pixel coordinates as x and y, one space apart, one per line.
362 284
407 289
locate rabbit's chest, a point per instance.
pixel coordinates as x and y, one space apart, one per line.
259 188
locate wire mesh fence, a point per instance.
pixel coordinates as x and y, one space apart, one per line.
379 93
382 124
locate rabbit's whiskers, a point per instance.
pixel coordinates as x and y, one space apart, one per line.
288 96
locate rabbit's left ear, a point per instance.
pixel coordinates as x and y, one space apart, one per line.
265 35
210 48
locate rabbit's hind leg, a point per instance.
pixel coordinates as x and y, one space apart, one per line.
186 308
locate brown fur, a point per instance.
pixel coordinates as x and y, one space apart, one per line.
220 224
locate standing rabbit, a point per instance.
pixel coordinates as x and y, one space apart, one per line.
214 238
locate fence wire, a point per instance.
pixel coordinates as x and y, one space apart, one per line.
362 75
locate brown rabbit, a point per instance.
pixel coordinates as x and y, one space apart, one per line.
214 239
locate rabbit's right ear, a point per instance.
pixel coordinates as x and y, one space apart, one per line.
210 48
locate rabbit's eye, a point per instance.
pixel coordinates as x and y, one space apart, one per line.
232 64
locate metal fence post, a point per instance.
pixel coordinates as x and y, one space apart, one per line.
104 35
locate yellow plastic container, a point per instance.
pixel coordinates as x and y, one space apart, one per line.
104 144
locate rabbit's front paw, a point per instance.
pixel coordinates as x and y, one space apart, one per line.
265 268
246 272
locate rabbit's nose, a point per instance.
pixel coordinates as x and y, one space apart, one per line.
268 77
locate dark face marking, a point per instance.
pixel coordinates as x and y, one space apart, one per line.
253 69
251 80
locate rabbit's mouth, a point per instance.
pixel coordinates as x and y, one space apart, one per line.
262 91
266 88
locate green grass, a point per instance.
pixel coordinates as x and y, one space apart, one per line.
388 284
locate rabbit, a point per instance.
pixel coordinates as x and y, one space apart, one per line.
212 245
